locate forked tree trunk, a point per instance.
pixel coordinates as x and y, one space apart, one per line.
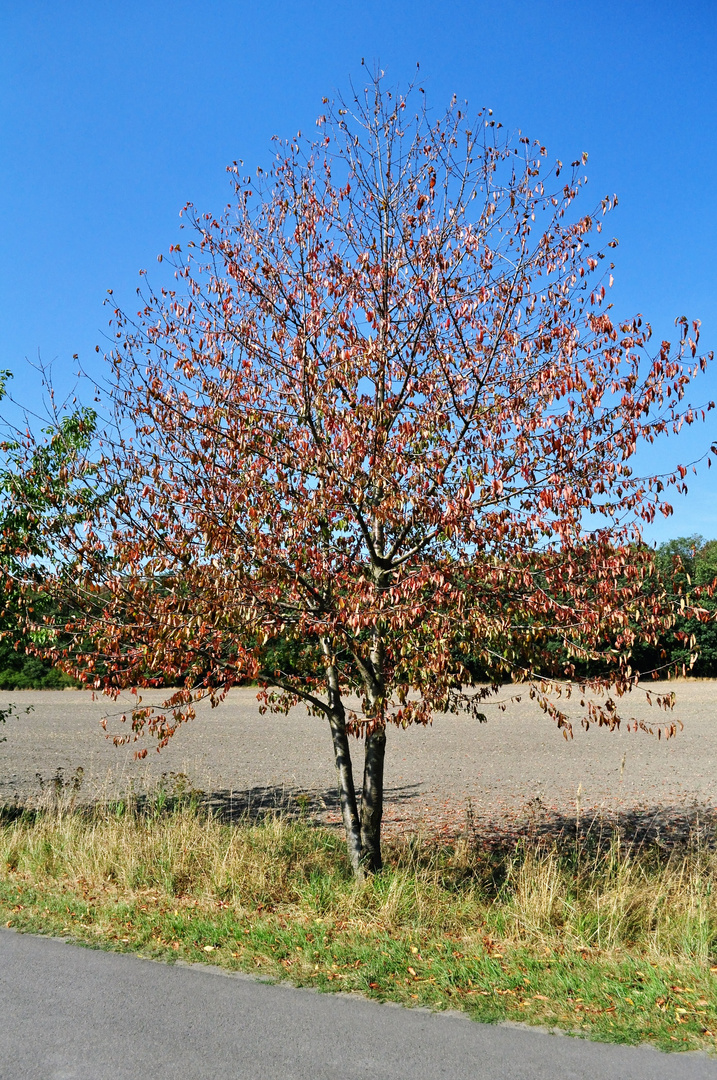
361 824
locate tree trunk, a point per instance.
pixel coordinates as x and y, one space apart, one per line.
363 831
342 757
372 800
347 792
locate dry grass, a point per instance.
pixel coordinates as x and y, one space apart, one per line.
600 937
610 898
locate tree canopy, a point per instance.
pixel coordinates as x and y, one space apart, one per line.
382 410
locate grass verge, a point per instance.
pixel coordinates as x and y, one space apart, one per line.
595 938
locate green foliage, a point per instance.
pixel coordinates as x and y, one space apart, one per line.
38 500
19 671
686 572
687 567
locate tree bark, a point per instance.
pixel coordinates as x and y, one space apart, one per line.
347 791
363 829
342 757
372 801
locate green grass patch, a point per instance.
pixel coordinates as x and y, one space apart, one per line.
606 941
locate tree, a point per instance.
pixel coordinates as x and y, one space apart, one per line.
382 411
687 570
45 489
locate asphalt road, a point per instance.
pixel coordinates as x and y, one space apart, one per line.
70 1013
516 757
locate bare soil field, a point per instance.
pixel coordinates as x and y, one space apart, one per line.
516 768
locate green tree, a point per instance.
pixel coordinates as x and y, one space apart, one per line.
42 492
688 568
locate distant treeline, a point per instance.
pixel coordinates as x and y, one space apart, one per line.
683 565
699 569
18 671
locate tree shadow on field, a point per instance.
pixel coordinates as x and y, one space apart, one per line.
176 790
255 803
686 826
683 827
409 811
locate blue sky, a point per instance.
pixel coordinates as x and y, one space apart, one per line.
112 116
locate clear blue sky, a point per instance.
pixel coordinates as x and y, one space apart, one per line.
112 116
